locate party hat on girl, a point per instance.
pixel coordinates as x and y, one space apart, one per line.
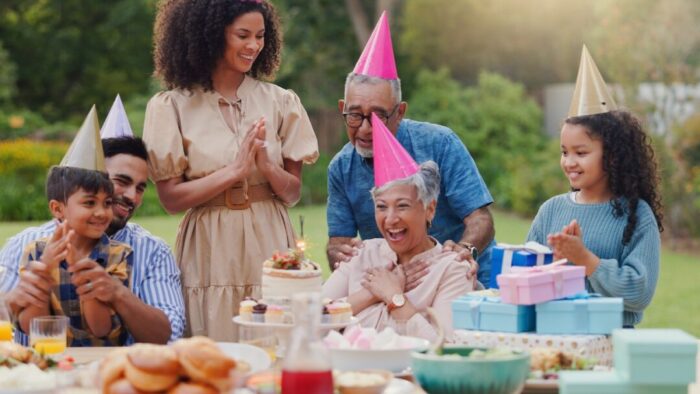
391 161
377 59
86 149
591 94
117 124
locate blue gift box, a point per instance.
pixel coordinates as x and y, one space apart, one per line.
582 314
655 356
504 256
609 382
475 312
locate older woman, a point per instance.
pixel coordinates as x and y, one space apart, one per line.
227 148
374 281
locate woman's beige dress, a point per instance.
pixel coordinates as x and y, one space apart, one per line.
219 250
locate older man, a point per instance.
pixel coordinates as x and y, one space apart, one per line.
152 309
462 222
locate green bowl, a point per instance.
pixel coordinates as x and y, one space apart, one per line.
438 374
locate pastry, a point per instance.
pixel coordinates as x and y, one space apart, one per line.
152 367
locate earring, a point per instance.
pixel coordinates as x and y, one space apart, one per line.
428 223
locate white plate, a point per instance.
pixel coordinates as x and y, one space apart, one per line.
323 326
256 357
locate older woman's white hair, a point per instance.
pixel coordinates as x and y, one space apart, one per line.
426 181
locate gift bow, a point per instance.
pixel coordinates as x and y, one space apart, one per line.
475 307
530 247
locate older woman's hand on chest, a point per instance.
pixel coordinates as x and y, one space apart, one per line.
384 283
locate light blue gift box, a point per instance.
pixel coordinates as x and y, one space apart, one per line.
581 314
504 256
474 312
655 356
609 382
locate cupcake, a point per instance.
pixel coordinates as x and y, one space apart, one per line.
340 312
274 314
245 310
259 312
325 315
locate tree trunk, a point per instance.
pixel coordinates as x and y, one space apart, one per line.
359 19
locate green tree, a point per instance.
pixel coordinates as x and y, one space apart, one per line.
500 126
532 42
7 77
73 53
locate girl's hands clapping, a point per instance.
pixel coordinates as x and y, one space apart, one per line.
568 244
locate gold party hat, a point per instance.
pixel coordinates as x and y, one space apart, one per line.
86 149
591 95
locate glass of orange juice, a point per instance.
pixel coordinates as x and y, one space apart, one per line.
47 334
5 322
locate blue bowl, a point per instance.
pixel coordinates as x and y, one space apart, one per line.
454 373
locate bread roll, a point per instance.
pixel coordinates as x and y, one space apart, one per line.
112 367
192 388
205 363
122 386
152 367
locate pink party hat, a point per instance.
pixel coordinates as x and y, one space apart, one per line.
116 124
377 59
391 161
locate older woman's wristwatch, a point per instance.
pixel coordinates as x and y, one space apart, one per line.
397 301
472 249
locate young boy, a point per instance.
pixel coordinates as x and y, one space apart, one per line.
81 200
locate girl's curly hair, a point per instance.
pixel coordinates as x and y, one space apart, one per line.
189 40
628 161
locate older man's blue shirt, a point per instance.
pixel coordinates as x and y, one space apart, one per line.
462 190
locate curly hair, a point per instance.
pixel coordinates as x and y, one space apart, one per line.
189 40
628 161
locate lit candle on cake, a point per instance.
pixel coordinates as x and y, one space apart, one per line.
301 244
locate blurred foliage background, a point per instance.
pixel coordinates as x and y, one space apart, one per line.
479 67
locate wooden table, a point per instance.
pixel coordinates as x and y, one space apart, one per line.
86 355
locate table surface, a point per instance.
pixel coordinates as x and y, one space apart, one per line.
86 355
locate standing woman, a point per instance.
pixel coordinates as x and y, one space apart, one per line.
226 147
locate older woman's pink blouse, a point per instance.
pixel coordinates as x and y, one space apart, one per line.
445 281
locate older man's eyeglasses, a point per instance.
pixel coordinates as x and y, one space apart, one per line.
355 119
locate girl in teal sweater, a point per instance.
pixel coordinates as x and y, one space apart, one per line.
611 220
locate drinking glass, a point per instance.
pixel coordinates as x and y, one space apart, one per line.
5 321
262 337
47 334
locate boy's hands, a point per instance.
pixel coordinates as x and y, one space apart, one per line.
92 282
58 247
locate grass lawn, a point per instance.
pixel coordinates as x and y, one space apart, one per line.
676 303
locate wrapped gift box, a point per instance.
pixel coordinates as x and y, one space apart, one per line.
609 382
505 256
655 356
585 314
475 311
528 286
598 347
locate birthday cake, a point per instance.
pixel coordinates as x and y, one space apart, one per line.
288 273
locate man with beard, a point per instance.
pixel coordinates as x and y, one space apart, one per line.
152 308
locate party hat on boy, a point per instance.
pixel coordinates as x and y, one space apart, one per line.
117 124
591 94
377 59
391 161
86 149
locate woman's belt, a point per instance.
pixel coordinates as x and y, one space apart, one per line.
240 197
